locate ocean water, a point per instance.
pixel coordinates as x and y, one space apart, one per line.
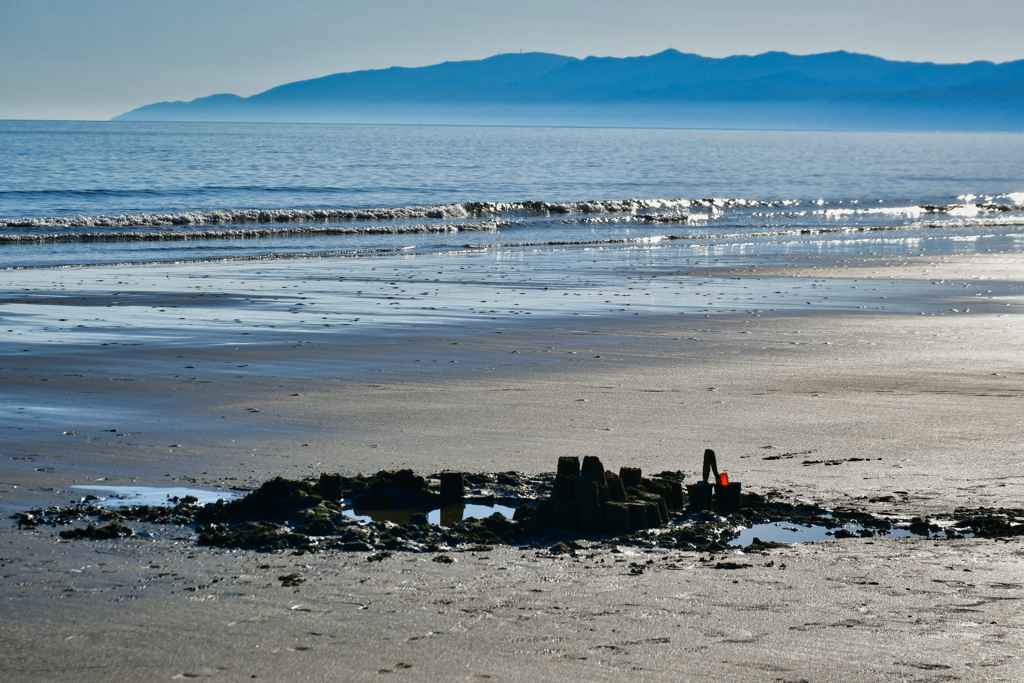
88 193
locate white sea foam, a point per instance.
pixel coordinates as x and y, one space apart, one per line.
241 216
442 212
909 211
247 233
965 210
960 210
467 210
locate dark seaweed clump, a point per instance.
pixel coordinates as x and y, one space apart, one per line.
112 530
990 522
183 512
285 513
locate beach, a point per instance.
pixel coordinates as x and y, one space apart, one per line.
890 383
463 342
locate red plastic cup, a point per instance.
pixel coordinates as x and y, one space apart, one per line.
724 477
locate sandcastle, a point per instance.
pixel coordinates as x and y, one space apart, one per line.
588 498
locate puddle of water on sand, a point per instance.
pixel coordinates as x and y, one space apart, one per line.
788 532
446 516
161 496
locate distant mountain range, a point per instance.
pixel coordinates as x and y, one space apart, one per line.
835 90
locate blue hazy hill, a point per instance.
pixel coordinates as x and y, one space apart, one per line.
671 88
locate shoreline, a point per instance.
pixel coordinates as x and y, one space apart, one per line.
614 381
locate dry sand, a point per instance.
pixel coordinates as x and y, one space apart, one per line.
939 398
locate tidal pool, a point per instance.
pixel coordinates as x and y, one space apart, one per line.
788 532
160 496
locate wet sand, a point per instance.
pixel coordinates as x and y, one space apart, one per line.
787 397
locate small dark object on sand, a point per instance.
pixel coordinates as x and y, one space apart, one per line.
26 520
443 559
290 580
731 565
112 530
564 548
921 527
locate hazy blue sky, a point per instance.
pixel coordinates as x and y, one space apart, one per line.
67 59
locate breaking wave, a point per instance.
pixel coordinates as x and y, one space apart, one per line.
966 209
247 233
640 210
441 212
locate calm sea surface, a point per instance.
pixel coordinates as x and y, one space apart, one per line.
91 193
